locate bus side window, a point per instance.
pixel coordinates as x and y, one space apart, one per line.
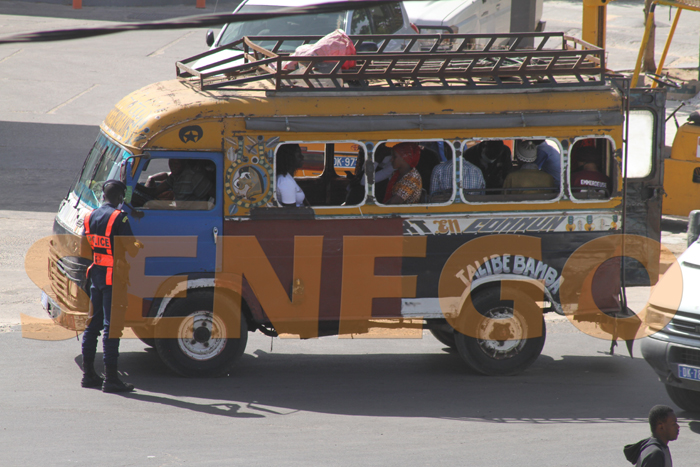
590 177
537 167
326 174
176 184
492 159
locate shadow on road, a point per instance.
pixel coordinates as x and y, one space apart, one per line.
39 163
567 390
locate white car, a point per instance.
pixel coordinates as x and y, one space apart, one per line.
674 310
475 16
389 18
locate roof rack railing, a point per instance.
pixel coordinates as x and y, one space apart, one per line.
549 59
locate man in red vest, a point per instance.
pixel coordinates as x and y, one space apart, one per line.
101 226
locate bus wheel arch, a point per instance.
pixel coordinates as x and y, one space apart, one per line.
499 357
198 346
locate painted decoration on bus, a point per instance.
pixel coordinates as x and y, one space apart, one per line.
248 172
585 222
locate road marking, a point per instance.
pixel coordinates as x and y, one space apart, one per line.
11 55
165 47
53 111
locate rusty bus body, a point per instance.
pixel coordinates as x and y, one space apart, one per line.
238 262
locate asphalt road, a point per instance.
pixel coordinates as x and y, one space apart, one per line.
324 401
335 402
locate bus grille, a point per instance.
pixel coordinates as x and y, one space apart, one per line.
68 277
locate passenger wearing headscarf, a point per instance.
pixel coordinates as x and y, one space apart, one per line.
406 184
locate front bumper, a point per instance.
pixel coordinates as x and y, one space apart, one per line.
73 320
665 352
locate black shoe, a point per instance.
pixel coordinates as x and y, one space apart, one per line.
90 377
91 380
113 384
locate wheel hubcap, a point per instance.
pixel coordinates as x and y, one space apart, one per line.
501 336
202 336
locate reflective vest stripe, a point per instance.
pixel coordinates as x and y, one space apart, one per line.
86 224
103 260
110 223
102 242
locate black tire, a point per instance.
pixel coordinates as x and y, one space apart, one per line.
201 354
494 357
445 337
143 333
686 399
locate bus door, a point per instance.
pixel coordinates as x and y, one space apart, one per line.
178 194
646 127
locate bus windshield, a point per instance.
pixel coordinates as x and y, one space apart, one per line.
318 24
102 164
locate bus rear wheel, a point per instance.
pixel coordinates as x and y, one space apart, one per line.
197 346
502 350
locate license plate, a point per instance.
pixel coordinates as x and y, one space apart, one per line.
45 301
689 372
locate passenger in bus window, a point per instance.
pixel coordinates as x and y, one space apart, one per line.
406 185
383 170
441 181
528 175
549 159
188 180
289 160
494 160
588 177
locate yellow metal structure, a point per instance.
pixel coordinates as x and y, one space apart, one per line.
593 27
682 172
692 5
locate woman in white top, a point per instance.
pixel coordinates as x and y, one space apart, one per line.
289 159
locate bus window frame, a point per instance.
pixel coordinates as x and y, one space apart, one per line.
455 153
166 155
556 199
362 144
652 167
418 142
613 178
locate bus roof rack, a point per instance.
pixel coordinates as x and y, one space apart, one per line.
428 61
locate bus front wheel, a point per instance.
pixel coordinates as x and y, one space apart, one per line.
501 348
197 346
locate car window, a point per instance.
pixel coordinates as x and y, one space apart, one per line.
387 19
360 22
318 24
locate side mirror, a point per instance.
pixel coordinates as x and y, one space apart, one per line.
210 37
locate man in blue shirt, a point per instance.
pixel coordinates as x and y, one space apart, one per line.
548 159
472 179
